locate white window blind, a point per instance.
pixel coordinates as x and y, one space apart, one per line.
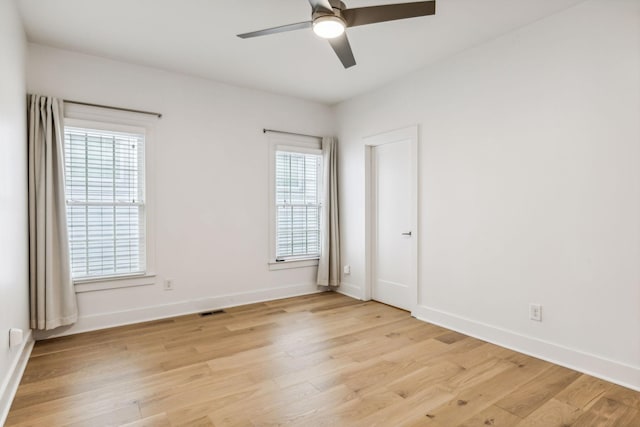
298 204
104 186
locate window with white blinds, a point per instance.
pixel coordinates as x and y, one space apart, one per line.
297 204
104 186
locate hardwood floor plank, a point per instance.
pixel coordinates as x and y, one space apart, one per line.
623 395
607 413
553 413
492 416
584 392
120 416
480 396
480 354
425 351
417 332
477 374
412 384
159 420
242 411
109 397
348 413
99 413
315 360
88 379
530 396
298 411
414 406
192 393
200 422
448 350
259 394
323 375
451 337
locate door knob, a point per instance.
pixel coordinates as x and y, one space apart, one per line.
408 233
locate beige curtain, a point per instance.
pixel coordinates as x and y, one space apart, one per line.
329 265
52 297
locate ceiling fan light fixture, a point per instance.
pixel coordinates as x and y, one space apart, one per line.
328 27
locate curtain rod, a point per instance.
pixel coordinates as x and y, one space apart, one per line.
290 133
88 104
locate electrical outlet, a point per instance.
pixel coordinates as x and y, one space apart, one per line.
535 312
347 269
168 285
15 337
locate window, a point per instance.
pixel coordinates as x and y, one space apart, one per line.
297 203
105 192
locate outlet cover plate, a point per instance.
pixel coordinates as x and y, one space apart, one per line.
535 312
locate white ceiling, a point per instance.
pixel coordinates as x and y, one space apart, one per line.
197 37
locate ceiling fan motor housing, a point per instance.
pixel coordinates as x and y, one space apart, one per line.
337 7
337 4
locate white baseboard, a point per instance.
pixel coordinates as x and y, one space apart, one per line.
350 290
14 375
145 314
597 366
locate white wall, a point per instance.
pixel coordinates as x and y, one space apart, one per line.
14 280
529 186
210 182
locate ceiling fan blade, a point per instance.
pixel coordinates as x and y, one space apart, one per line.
342 48
321 5
274 30
388 12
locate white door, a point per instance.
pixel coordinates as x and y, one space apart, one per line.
393 221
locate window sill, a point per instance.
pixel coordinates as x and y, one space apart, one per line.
293 263
106 283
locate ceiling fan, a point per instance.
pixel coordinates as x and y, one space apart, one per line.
329 18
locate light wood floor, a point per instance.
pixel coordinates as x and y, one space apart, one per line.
319 360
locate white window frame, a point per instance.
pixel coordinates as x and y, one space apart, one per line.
120 121
293 143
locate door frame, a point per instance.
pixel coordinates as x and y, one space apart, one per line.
370 142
